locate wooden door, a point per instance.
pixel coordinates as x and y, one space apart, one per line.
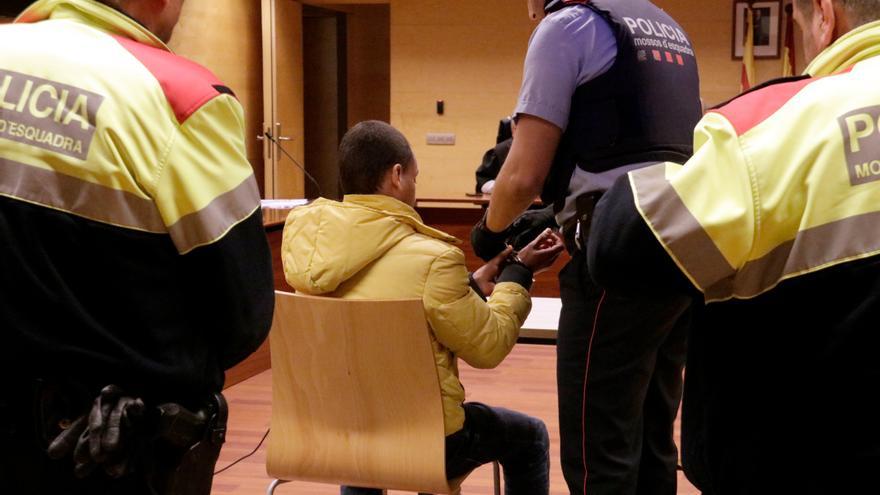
283 98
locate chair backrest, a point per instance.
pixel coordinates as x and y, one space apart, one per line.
355 395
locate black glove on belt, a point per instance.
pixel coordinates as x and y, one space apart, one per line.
106 437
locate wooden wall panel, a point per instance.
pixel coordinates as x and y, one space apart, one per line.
290 104
709 23
369 63
468 54
322 105
224 36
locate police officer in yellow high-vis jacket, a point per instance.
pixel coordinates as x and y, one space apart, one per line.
135 267
775 224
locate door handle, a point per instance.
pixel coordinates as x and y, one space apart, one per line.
278 136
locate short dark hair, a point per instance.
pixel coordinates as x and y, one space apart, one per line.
862 11
367 151
859 11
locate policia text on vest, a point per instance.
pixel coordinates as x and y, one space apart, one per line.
47 114
659 35
861 139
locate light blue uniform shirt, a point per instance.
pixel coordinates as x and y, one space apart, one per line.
568 48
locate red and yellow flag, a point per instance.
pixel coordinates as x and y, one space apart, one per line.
788 46
748 64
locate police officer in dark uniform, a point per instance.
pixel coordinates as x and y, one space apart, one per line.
134 266
609 86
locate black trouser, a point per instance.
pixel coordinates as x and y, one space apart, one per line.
619 365
517 441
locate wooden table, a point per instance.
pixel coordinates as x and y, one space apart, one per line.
465 199
542 324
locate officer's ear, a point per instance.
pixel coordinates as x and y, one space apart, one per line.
536 9
829 22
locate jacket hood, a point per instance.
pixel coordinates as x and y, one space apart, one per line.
328 242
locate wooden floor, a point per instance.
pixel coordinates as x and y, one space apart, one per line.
526 382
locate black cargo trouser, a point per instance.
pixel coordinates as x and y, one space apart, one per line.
619 376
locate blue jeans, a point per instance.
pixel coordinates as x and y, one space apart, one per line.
518 442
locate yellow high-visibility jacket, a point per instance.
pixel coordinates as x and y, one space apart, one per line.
376 247
784 180
775 222
128 210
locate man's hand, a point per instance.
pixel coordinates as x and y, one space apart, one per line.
540 254
485 275
487 244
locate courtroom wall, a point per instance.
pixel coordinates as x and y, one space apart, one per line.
467 53
226 37
470 55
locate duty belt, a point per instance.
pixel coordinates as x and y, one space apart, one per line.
576 230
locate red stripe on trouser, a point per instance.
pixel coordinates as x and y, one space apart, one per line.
586 375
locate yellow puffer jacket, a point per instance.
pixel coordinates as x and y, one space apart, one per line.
375 247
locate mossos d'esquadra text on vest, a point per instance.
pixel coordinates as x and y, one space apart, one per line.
656 34
47 114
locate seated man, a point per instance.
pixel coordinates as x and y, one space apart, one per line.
373 245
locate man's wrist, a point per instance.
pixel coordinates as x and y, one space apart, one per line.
514 258
518 273
476 286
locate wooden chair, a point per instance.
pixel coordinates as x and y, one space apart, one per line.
356 396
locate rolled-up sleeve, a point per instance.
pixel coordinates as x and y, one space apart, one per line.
566 50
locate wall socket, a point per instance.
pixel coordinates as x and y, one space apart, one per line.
441 138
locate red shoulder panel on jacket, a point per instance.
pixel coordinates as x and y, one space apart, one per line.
757 105
186 84
750 109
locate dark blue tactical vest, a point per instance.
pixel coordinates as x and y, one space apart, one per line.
644 108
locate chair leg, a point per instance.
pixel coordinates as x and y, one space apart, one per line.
496 475
273 485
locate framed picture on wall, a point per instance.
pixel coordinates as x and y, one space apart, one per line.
767 27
